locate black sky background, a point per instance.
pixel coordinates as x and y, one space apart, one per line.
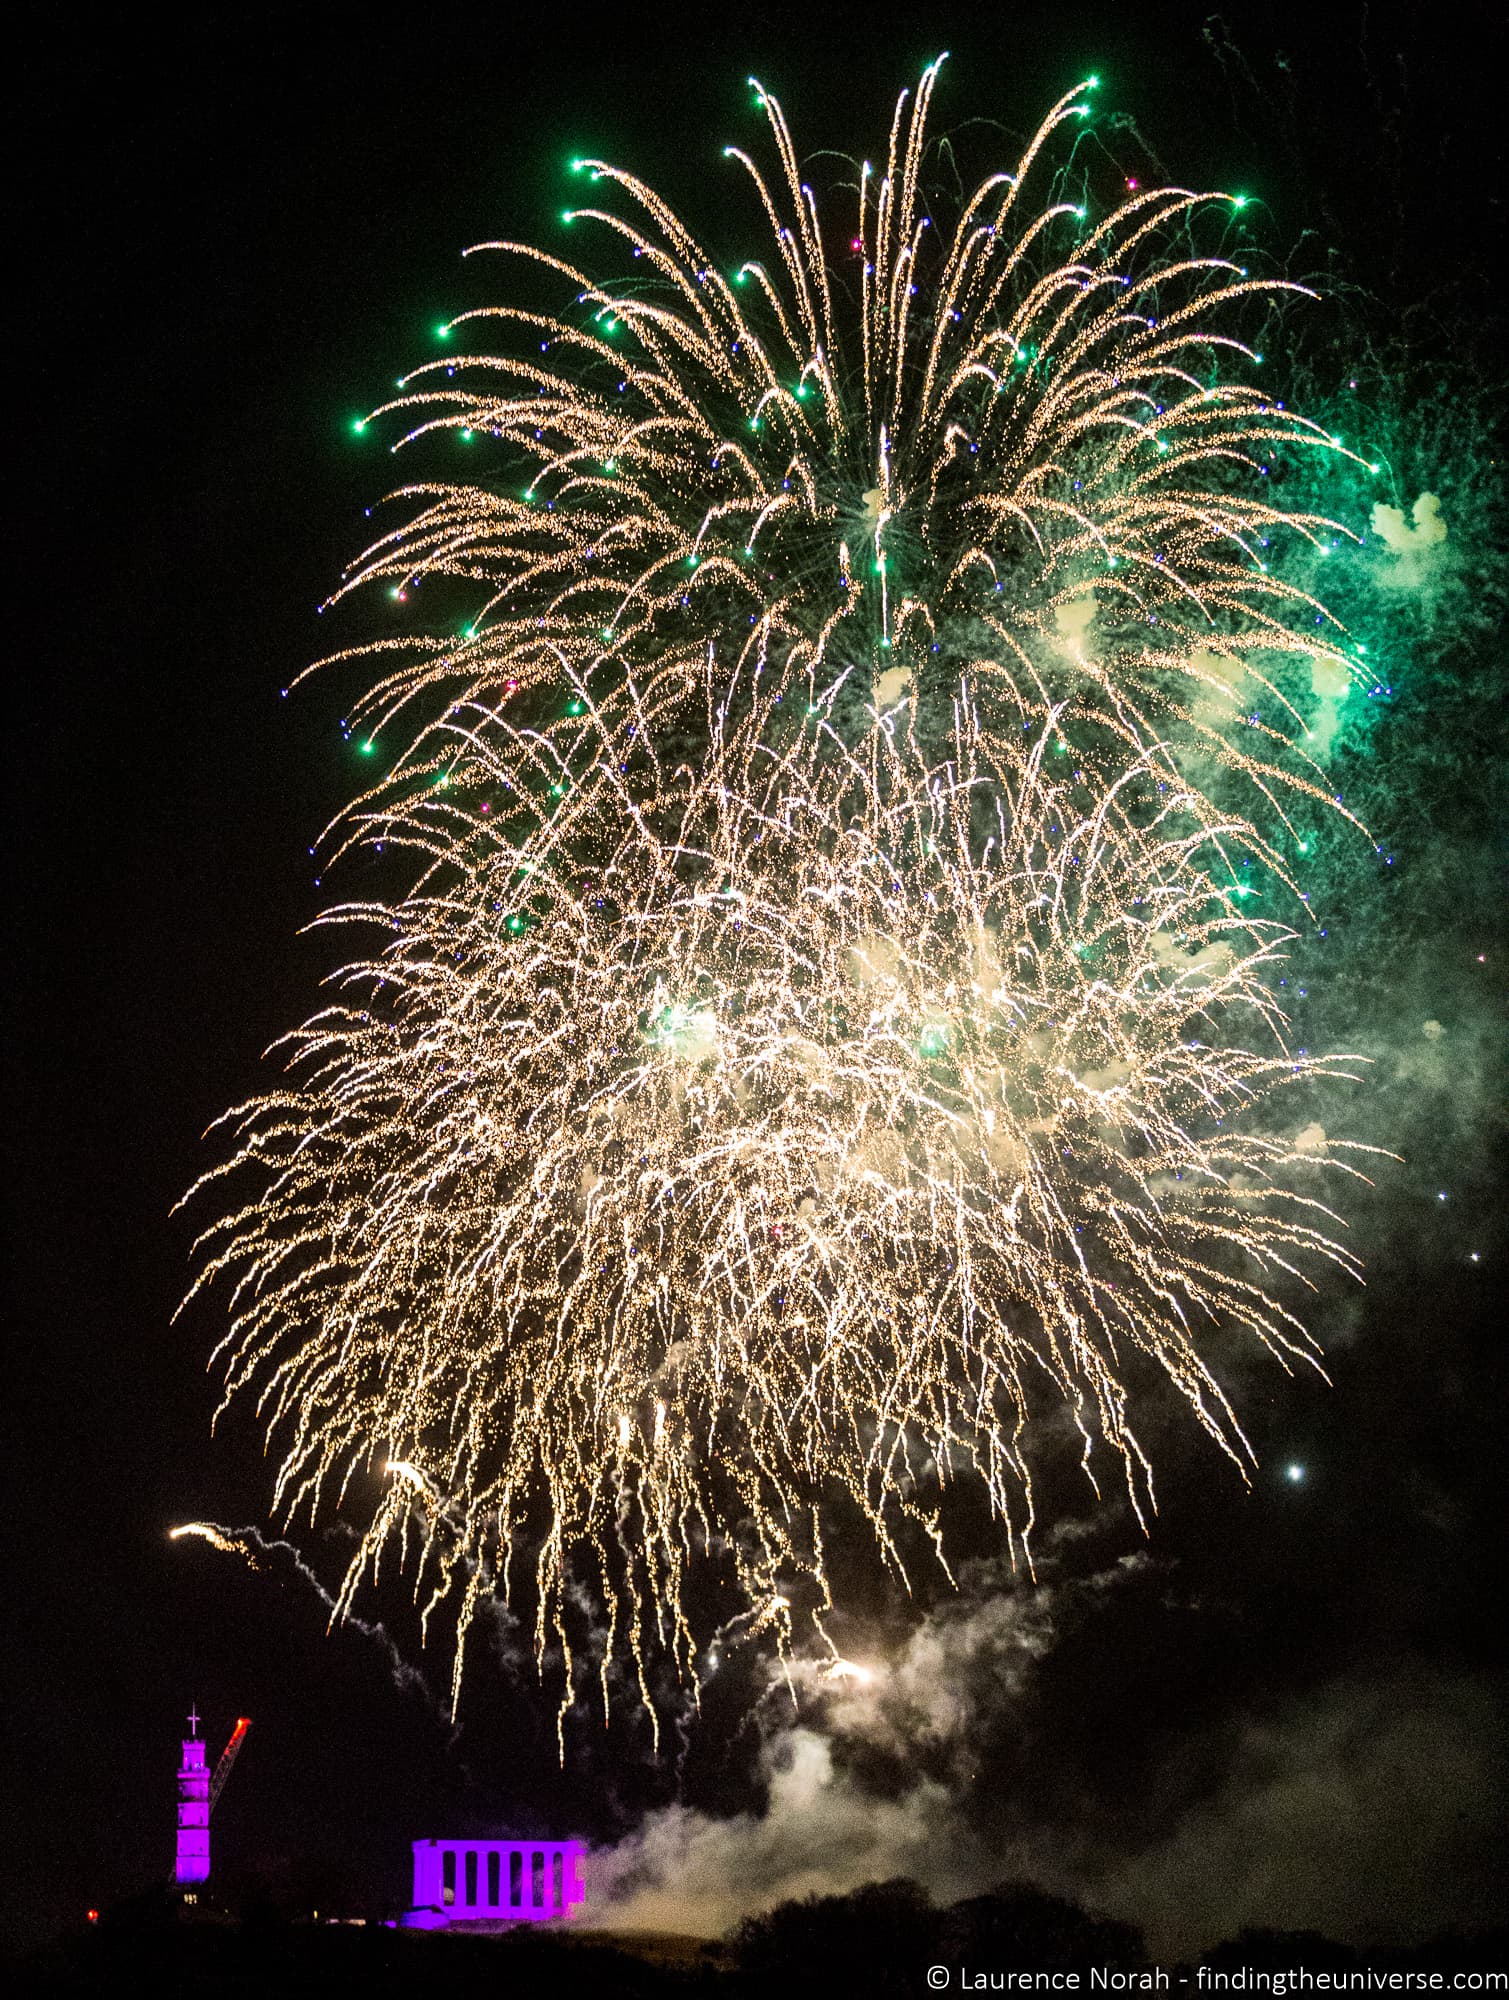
232 231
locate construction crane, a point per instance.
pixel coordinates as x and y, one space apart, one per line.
228 1757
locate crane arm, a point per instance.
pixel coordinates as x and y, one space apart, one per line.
227 1758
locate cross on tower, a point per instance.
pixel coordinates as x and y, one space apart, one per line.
194 1719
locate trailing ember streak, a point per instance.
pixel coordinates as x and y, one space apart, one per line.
208 1531
831 1023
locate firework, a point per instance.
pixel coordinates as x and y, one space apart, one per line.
830 1024
1021 440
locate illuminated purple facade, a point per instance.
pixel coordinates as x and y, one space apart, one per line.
193 1861
494 1881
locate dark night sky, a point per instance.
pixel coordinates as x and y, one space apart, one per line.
234 229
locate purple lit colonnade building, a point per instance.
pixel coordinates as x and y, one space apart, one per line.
494 1881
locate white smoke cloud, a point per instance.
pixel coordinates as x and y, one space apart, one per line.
1194 964
1222 686
1417 545
1072 623
823 1832
819 1835
1289 1819
1330 683
1368 1796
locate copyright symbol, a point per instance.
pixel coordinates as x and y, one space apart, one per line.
937 1976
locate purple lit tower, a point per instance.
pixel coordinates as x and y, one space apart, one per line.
193 1808
197 1793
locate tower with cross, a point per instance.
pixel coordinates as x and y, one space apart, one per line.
198 1789
193 1860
